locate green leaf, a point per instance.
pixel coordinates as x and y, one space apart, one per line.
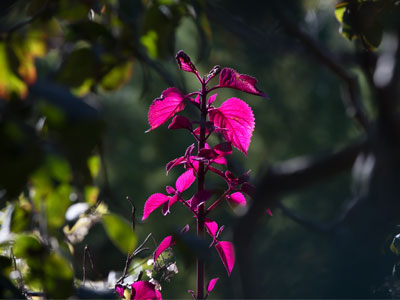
10 83
94 165
79 66
117 77
120 232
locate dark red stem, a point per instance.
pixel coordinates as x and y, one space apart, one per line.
200 187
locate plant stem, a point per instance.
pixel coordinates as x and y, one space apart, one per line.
200 187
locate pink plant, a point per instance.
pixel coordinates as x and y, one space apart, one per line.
234 121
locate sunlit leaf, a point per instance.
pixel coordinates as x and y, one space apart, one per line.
118 76
227 254
165 243
120 232
94 165
237 118
10 83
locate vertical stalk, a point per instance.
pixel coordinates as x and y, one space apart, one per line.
200 187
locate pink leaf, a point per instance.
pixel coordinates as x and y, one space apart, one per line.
211 227
245 83
174 162
166 243
152 203
220 161
171 102
197 99
185 181
227 254
237 117
185 229
223 149
237 198
170 190
119 289
269 211
211 284
180 122
184 62
212 98
144 290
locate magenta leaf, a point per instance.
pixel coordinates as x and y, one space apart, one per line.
211 227
170 190
207 153
144 290
185 181
219 231
189 151
185 229
166 243
200 198
174 162
212 99
119 289
152 203
223 149
269 211
180 122
211 284
184 62
237 117
237 198
227 254
171 102
245 83
220 161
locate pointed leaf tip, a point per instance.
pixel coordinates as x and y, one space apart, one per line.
170 102
185 181
152 203
237 118
211 227
227 255
166 243
245 83
211 284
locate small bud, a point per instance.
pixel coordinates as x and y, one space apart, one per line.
214 72
184 62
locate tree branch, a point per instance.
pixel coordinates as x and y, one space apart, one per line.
284 178
258 38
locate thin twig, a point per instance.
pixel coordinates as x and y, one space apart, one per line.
133 212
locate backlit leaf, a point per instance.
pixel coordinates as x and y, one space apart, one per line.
211 284
120 232
144 290
165 243
237 118
165 107
152 203
245 83
185 181
227 254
